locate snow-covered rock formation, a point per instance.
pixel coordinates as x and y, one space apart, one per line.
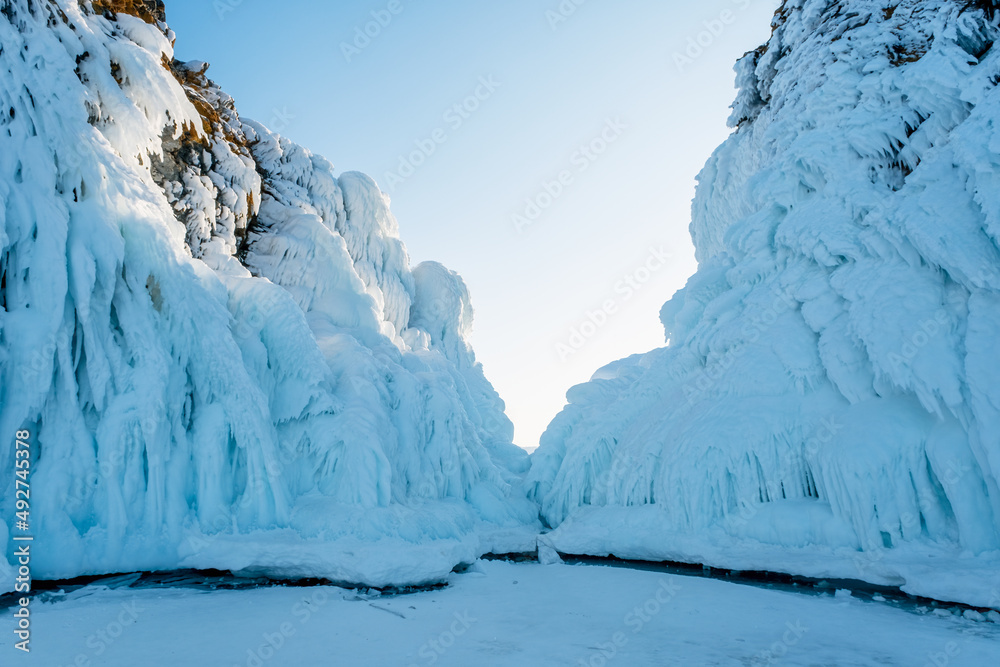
828 402
218 347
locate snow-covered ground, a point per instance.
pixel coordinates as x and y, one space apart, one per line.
498 614
640 533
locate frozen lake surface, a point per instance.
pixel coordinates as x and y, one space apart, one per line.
497 613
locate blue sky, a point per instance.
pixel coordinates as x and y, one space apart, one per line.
546 150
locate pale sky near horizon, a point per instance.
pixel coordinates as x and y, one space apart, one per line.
559 187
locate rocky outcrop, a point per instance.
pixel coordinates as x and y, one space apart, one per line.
150 11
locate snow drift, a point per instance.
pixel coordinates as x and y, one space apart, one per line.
828 402
220 351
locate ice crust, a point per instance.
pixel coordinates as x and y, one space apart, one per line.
219 347
830 385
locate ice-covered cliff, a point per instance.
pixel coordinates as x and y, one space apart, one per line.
828 402
218 347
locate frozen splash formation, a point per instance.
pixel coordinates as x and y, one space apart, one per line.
828 402
219 348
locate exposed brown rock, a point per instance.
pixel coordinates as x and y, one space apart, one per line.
150 11
209 100
781 15
196 150
901 54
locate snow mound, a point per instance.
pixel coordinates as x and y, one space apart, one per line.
831 383
219 348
